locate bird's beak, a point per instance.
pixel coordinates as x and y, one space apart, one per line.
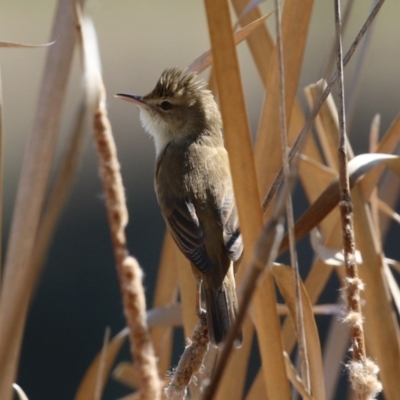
133 98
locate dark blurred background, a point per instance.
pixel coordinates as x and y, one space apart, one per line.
78 294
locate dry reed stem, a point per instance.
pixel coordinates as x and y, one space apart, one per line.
234 377
18 277
353 284
304 365
129 271
373 144
190 361
314 112
330 62
238 143
363 372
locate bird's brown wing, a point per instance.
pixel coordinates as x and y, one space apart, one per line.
227 215
186 230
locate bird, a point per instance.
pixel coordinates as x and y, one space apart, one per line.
194 189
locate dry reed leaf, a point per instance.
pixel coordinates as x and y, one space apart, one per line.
260 41
134 396
295 22
258 390
309 149
165 293
87 386
314 284
237 366
238 143
326 123
205 60
334 352
386 145
295 379
382 206
284 279
315 178
320 273
261 47
18 279
126 373
381 330
24 45
358 167
393 285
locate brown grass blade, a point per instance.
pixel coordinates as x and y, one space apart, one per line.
295 22
388 145
87 387
165 293
310 118
335 350
284 277
237 366
238 143
24 45
358 167
258 389
260 42
381 330
299 317
205 60
18 279
297 382
393 286
326 122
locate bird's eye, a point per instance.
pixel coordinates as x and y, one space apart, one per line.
165 105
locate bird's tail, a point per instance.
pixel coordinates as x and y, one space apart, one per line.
222 307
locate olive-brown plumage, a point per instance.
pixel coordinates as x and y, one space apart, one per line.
194 188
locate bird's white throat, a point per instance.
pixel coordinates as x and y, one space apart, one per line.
157 128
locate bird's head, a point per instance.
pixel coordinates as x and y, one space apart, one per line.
179 106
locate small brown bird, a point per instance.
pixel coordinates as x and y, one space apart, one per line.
194 188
